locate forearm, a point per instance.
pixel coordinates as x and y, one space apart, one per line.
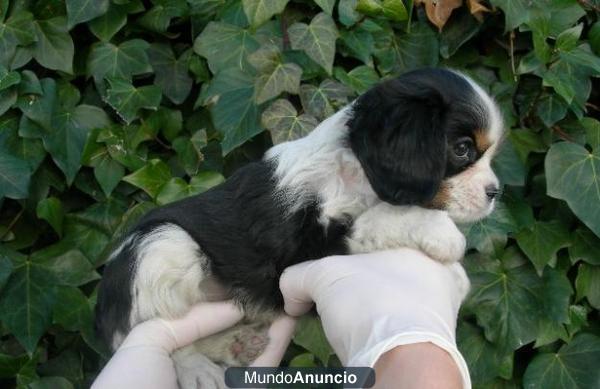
418 365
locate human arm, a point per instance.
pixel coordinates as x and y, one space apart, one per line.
144 358
373 305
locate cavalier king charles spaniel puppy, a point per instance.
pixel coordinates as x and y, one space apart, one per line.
395 168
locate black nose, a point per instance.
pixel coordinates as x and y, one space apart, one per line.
492 191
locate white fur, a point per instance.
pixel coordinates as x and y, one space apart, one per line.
468 201
496 130
385 226
169 269
324 164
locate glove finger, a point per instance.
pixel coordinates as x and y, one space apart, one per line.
296 293
280 335
203 320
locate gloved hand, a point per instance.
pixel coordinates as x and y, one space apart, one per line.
144 358
371 303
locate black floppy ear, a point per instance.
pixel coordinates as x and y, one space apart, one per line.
397 133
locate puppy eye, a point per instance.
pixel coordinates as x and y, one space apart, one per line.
462 148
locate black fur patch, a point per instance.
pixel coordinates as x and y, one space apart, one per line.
247 235
400 131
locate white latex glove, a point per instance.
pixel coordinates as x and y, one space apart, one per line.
371 303
144 358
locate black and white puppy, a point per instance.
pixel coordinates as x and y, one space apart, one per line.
396 168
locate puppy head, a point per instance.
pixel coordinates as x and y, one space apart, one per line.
427 138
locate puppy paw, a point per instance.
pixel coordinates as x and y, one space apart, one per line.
443 242
247 346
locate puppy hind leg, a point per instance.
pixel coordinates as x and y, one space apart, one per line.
170 268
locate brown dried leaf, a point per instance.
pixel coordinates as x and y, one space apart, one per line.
439 11
477 9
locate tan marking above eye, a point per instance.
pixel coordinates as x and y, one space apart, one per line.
482 141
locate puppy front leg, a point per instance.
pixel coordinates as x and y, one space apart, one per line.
385 227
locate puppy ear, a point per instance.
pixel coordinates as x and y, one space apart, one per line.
397 133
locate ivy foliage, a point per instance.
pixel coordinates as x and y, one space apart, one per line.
111 107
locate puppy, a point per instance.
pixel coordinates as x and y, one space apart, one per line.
396 168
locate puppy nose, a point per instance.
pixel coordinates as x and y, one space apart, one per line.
492 191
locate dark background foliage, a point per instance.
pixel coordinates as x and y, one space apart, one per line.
108 108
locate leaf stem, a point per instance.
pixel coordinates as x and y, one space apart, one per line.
512 55
12 224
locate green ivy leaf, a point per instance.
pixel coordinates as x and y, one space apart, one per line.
8 79
10 365
158 18
15 176
205 180
360 79
188 153
108 173
360 44
274 76
556 296
74 313
53 48
68 266
573 366
568 81
51 383
151 177
6 269
317 39
490 234
406 52
127 100
123 61
259 11
225 46
326 5
235 115
572 175
309 334
122 144
177 189
8 98
588 284
18 29
282 120
26 303
174 189
505 297
541 242
40 109
458 31
567 40
391 9
551 109
322 101
592 132
66 140
90 238
516 12
484 359
111 22
347 12
51 210
79 11
594 37
171 73
585 247
303 360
